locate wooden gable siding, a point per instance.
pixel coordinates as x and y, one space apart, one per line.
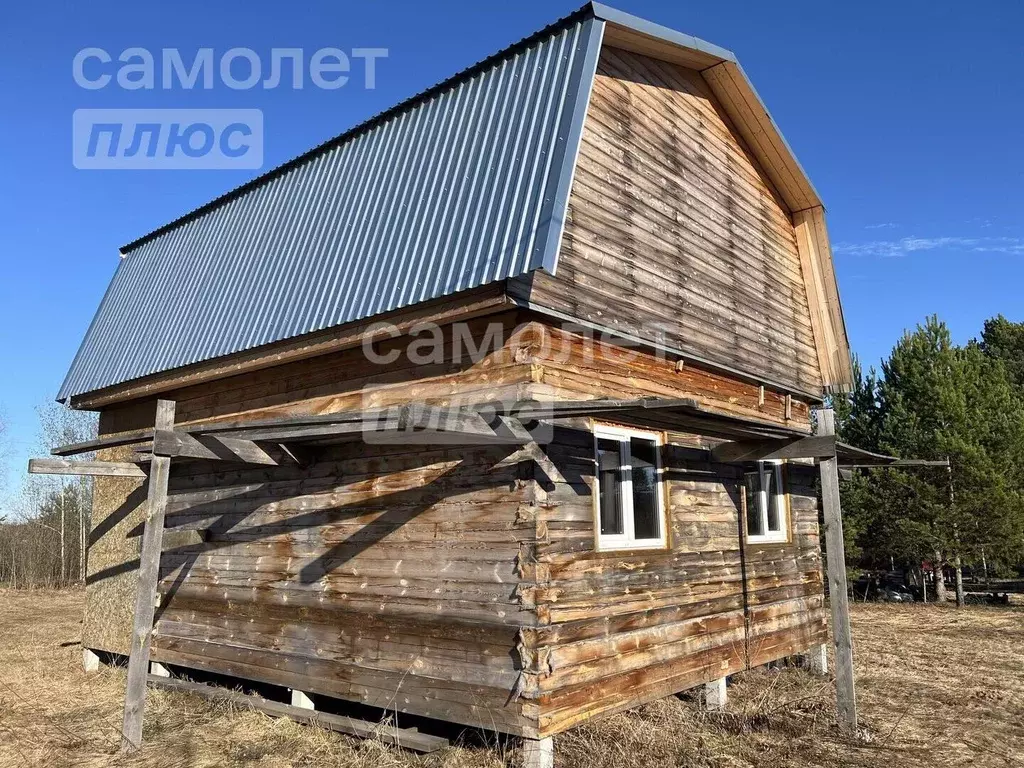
621 628
675 235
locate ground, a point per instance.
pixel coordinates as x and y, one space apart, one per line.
937 686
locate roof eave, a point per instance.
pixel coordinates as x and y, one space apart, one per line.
659 32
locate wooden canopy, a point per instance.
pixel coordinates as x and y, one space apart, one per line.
286 440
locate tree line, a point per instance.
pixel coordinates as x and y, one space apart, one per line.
44 529
934 399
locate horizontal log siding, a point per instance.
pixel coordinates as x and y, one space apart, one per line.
786 610
458 584
674 234
570 365
618 629
383 574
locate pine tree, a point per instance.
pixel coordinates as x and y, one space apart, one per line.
939 401
1004 340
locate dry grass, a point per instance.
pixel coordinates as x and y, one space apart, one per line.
937 687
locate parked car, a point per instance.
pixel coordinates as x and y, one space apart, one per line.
881 587
895 593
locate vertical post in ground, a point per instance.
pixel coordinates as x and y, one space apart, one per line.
714 695
301 699
816 659
145 597
836 557
539 753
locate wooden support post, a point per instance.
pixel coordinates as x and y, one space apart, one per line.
838 600
145 598
301 699
539 753
714 695
90 661
816 660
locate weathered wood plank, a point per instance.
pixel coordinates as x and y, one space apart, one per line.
389 734
85 468
145 598
216 448
486 300
838 599
110 441
820 446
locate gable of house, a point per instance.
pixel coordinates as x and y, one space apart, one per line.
675 234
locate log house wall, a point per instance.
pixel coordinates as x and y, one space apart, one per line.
439 580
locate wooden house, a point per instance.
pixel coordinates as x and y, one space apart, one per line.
494 409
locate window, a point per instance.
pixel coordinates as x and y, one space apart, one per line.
766 503
629 495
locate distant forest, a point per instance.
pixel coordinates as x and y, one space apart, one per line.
934 399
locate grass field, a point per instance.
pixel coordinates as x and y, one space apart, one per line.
937 687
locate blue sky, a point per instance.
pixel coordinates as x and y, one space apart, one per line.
907 116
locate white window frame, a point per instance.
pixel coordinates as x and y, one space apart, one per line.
759 504
627 539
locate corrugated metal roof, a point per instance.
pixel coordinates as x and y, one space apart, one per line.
461 186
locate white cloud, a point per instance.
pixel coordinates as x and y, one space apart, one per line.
907 245
884 225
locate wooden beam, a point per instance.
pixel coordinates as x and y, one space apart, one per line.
415 422
815 447
87 468
114 441
216 448
835 550
145 597
897 464
399 737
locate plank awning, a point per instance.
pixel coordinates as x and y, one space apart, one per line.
851 457
280 440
